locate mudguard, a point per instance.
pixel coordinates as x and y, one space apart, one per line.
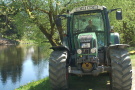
60 48
118 46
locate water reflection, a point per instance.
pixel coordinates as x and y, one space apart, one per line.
11 59
22 64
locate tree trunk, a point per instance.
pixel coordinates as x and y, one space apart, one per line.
48 36
60 32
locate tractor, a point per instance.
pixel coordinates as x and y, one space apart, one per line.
90 47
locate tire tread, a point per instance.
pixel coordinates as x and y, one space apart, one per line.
121 69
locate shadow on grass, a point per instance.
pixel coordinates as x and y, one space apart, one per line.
101 82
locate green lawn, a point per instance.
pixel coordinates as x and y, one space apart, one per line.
100 82
133 60
42 84
132 56
76 83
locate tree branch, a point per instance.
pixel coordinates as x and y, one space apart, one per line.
67 3
45 11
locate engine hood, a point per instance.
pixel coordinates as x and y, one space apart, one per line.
86 37
87 43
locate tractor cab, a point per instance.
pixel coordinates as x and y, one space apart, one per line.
90 23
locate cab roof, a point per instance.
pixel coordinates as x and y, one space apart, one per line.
87 8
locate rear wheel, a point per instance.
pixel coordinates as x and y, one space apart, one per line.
121 75
58 70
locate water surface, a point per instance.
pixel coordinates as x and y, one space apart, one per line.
20 65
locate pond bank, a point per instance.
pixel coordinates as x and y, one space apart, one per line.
42 84
21 64
5 41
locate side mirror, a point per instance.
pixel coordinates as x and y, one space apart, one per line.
119 15
58 22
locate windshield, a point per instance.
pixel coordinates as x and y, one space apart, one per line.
88 22
91 22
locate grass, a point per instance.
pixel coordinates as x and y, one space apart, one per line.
100 82
132 56
77 83
131 48
42 84
132 60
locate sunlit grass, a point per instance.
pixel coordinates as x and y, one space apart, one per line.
132 60
132 56
42 84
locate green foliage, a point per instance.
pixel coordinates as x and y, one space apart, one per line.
38 16
7 26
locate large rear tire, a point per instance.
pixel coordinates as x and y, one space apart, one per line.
58 70
121 75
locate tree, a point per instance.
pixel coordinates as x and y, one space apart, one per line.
41 14
7 27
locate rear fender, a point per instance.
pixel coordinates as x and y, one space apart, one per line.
113 46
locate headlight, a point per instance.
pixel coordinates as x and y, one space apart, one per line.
93 50
79 51
85 45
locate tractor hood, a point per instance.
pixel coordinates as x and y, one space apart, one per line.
87 43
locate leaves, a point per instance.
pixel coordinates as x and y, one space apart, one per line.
42 13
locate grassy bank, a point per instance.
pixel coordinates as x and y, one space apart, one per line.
44 83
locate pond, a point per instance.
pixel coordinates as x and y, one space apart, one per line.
20 65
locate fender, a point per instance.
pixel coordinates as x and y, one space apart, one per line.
60 48
55 48
118 46
113 46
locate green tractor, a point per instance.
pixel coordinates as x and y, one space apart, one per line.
90 47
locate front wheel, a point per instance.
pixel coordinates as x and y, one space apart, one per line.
57 70
121 75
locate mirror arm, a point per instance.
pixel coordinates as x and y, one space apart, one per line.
113 10
62 16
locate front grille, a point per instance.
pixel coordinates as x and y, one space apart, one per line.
86 51
86 44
